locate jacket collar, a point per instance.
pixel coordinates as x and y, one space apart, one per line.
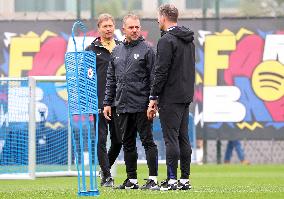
133 43
97 42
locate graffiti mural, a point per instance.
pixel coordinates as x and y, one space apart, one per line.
239 71
240 79
32 54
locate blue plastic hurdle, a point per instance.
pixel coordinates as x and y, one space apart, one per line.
81 80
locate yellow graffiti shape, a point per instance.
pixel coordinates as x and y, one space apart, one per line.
243 32
30 34
268 80
61 87
215 58
18 60
47 34
251 127
198 79
225 32
54 126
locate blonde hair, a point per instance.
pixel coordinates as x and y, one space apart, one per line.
105 17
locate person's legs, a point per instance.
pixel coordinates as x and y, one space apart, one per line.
115 137
128 129
144 127
239 150
184 144
102 150
229 151
170 118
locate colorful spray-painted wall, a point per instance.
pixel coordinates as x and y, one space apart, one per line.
239 71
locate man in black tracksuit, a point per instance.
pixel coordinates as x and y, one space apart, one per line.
173 88
103 47
128 85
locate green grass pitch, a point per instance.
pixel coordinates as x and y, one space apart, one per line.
208 181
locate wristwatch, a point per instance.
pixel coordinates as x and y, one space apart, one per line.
151 97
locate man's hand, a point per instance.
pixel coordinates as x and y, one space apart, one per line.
151 113
152 109
107 112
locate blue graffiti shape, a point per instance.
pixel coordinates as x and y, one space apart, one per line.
231 124
200 65
255 108
215 125
263 33
5 66
276 125
57 107
65 36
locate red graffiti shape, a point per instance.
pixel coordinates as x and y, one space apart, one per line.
50 57
276 109
198 95
245 58
280 32
91 33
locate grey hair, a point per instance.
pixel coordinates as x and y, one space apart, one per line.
130 15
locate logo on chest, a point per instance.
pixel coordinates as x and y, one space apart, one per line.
136 56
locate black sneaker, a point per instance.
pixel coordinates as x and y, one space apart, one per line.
165 186
128 185
151 185
186 186
103 180
108 182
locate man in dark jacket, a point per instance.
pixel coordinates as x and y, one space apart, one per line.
173 87
128 85
103 47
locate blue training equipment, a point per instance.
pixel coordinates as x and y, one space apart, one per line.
81 80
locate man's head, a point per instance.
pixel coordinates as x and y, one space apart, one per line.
167 16
131 27
106 26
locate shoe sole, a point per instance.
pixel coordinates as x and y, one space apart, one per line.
167 189
132 187
107 185
151 188
181 188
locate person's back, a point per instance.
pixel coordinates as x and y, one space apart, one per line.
179 86
173 88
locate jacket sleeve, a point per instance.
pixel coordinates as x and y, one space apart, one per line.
110 85
90 48
163 63
151 63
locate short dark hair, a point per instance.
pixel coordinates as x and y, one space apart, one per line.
129 15
104 17
169 11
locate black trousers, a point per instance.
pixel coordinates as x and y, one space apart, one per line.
107 159
129 124
174 123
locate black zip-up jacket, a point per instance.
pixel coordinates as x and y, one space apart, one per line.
175 67
129 77
103 57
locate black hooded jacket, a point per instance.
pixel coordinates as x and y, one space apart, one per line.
129 76
103 57
175 67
